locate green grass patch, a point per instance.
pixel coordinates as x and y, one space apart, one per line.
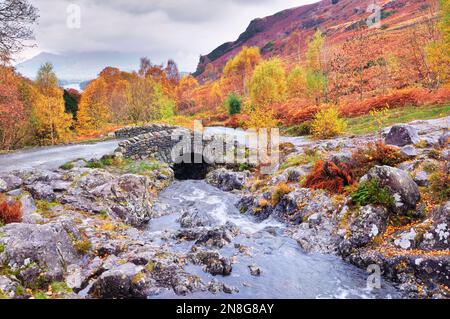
82 246
371 192
308 157
60 287
140 168
44 208
67 166
367 124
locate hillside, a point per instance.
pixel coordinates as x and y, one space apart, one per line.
286 33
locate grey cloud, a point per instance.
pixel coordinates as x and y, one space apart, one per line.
179 29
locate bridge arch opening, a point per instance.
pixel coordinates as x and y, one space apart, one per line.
191 171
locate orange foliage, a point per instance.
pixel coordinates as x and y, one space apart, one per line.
237 120
295 111
329 176
10 212
375 154
13 115
396 99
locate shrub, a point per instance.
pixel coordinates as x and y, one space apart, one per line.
67 166
95 164
233 103
263 203
434 154
244 167
237 120
440 184
60 288
327 124
375 154
280 190
10 212
329 176
261 117
82 246
370 192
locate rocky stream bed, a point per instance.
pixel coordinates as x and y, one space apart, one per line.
127 229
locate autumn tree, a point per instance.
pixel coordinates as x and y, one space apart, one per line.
139 97
51 123
240 68
16 18
315 54
296 85
438 51
46 79
359 57
93 111
118 101
261 117
163 104
215 96
268 84
172 72
184 93
12 111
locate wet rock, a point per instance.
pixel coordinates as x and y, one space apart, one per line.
437 236
341 157
218 237
409 166
369 223
317 234
421 178
123 281
444 139
195 218
29 214
229 289
250 204
9 182
227 180
174 277
290 175
401 135
406 240
8 286
402 187
127 197
254 270
3 186
418 276
446 155
42 191
43 176
296 206
41 249
60 186
409 151
213 262
86 204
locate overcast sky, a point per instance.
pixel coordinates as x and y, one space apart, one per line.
179 29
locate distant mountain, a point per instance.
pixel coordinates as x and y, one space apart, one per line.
78 67
285 33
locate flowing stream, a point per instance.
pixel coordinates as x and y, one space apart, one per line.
286 271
